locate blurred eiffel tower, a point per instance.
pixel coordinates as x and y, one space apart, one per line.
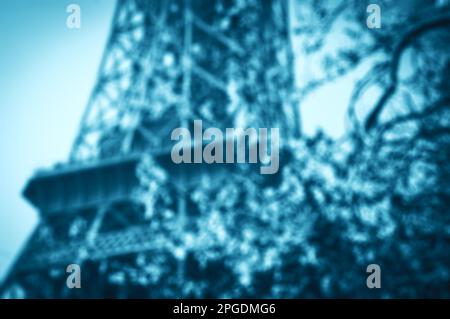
227 62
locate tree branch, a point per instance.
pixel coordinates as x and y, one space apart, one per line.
407 40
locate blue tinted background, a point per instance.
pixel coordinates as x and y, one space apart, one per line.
47 73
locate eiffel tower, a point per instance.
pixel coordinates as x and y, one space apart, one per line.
166 63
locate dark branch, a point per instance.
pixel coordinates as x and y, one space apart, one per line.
407 40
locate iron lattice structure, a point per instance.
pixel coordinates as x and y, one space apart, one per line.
226 62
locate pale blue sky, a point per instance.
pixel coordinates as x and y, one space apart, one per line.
47 72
